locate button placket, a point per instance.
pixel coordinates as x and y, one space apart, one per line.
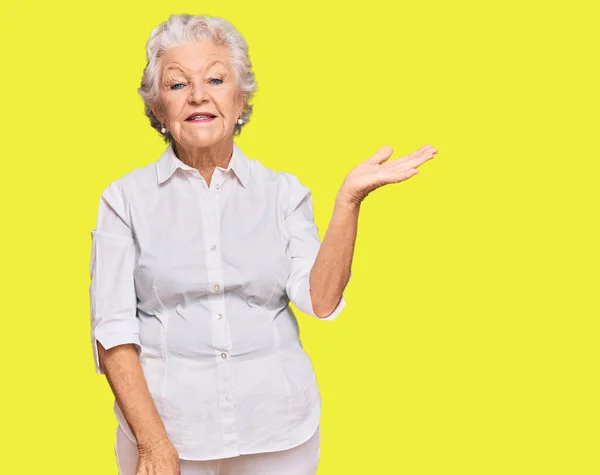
209 204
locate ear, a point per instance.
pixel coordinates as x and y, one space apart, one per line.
243 101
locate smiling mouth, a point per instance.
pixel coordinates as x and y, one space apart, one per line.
201 118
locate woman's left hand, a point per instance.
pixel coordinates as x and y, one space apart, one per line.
377 171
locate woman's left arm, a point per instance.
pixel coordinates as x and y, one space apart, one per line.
331 270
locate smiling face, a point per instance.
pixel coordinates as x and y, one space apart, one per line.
198 77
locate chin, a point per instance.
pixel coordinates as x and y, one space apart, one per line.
204 140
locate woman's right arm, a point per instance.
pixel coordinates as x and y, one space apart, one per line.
123 370
115 333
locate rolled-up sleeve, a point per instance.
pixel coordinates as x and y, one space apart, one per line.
113 302
303 246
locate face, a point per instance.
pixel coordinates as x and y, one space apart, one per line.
198 77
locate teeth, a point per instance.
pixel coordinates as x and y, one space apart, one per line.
200 117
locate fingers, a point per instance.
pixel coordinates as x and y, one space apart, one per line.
382 155
406 167
419 157
402 175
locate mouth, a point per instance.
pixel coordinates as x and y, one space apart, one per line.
200 117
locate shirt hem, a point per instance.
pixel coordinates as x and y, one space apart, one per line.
313 422
315 426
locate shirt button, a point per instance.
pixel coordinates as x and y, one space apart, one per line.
216 287
219 316
213 247
223 355
217 186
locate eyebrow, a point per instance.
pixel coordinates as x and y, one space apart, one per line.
215 62
207 67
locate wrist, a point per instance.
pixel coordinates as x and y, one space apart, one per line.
153 435
347 202
154 444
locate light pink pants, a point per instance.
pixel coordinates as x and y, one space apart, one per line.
300 460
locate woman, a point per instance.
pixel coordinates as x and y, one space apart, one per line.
195 258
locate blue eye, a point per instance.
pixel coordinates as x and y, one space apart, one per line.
173 86
215 79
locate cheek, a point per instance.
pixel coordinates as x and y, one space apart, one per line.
229 102
171 108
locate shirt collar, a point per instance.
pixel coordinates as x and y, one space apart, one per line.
168 163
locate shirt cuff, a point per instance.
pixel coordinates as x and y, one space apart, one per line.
303 300
336 311
112 334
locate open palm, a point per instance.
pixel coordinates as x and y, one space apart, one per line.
378 171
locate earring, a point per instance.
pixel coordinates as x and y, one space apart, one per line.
163 130
240 121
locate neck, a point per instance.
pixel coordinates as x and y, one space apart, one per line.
205 159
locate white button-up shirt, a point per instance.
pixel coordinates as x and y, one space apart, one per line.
199 278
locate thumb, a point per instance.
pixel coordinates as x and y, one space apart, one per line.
382 155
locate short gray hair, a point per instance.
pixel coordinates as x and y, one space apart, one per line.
183 29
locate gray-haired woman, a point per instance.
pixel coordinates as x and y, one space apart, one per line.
195 258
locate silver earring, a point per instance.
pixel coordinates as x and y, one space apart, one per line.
163 130
240 121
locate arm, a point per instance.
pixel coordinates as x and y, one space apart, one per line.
124 374
331 274
331 270
115 328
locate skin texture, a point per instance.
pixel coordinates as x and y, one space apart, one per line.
200 77
191 81
331 270
156 454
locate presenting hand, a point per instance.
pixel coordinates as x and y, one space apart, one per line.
377 171
160 458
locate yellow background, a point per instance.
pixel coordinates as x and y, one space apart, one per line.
469 344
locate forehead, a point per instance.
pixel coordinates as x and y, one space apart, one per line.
195 57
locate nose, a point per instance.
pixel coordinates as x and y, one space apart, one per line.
198 93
